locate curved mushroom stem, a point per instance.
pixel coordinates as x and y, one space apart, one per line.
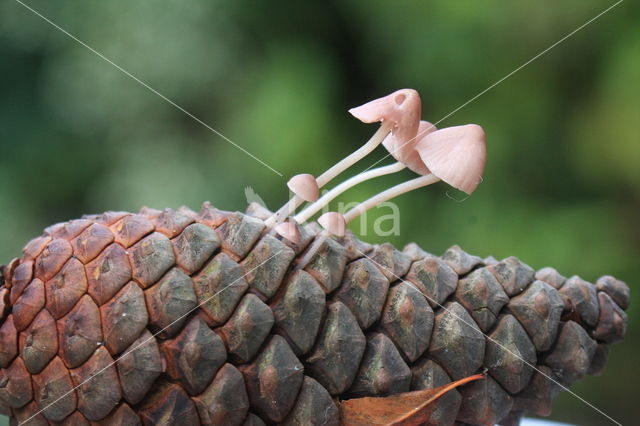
355 156
390 193
332 172
312 209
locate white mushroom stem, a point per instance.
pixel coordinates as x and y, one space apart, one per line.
334 171
284 211
312 209
390 193
355 156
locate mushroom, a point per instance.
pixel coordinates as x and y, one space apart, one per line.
402 109
334 223
304 186
288 230
399 113
410 159
455 155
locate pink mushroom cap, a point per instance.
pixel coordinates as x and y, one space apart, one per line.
405 152
456 155
402 108
288 230
334 223
304 186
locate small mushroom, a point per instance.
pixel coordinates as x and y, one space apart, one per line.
288 230
304 186
455 155
402 108
334 223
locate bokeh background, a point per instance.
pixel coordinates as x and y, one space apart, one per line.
562 185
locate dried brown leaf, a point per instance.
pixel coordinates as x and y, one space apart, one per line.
405 409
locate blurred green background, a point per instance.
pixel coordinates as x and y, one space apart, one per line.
562 185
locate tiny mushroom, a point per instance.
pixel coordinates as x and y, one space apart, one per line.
288 230
334 223
455 155
304 186
402 108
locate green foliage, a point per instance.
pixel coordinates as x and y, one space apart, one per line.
563 178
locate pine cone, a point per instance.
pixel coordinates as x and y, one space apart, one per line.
173 317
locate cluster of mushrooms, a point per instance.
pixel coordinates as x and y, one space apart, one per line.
455 155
